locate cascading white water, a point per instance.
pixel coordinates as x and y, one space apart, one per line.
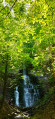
30 94
27 95
16 96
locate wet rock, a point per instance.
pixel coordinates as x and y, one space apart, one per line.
22 116
19 117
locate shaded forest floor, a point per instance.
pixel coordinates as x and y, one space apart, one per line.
46 110
43 111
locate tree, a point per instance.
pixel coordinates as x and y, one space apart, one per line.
27 36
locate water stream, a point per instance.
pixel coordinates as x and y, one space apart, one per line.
16 96
30 93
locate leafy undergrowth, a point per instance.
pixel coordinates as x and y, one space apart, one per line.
46 111
6 111
12 112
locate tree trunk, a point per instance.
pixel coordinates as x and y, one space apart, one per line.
5 81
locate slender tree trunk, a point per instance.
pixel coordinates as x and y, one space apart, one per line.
5 81
53 72
52 68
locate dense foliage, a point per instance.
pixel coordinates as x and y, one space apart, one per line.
27 37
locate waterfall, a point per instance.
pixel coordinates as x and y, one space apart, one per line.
16 96
30 93
29 90
27 95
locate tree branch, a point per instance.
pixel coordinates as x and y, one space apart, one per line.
10 8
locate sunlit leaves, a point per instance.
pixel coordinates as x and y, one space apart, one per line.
29 34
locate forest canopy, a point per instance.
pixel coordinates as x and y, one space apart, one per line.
27 42
27 30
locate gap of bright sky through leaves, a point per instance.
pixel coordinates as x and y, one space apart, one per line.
11 10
